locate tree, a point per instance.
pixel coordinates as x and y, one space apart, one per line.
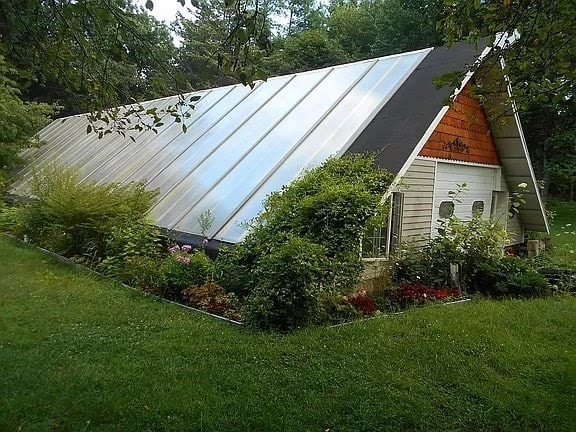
551 137
539 64
209 54
87 55
19 122
310 49
378 28
304 15
202 38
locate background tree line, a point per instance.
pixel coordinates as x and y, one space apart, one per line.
62 57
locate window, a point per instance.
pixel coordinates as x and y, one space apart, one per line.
385 239
477 208
375 241
446 209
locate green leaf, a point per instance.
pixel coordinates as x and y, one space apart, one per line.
149 5
242 35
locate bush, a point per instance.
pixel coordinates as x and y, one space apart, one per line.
142 272
362 303
183 268
524 285
288 282
234 269
490 273
328 206
335 308
470 244
73 218
139 239
212 298
9 217
511 276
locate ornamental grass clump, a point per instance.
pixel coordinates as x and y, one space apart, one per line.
73 217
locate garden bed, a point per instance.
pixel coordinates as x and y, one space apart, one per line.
365 306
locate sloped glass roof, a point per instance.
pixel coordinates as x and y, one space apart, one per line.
241 144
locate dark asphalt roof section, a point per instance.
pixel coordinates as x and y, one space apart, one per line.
401 123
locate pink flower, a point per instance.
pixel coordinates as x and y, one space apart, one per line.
183 259
174 249
186 248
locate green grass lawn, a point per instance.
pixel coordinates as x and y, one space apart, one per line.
563 233
82 354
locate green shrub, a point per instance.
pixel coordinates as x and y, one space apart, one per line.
183 268
329 206
74 218
324 214
288 282
141 272
139 239
489 274
470 244
234 269
511 277
524 285
335 308
9 217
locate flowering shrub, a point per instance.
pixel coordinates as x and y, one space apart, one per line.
362 303
415 293
182 268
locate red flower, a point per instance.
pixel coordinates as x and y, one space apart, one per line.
418 293
362 303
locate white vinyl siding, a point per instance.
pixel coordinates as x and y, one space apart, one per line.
424 188
418 188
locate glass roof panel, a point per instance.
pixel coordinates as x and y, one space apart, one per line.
241 143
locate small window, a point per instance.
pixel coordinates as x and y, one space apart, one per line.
446 209
374 242
477 208
385 239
